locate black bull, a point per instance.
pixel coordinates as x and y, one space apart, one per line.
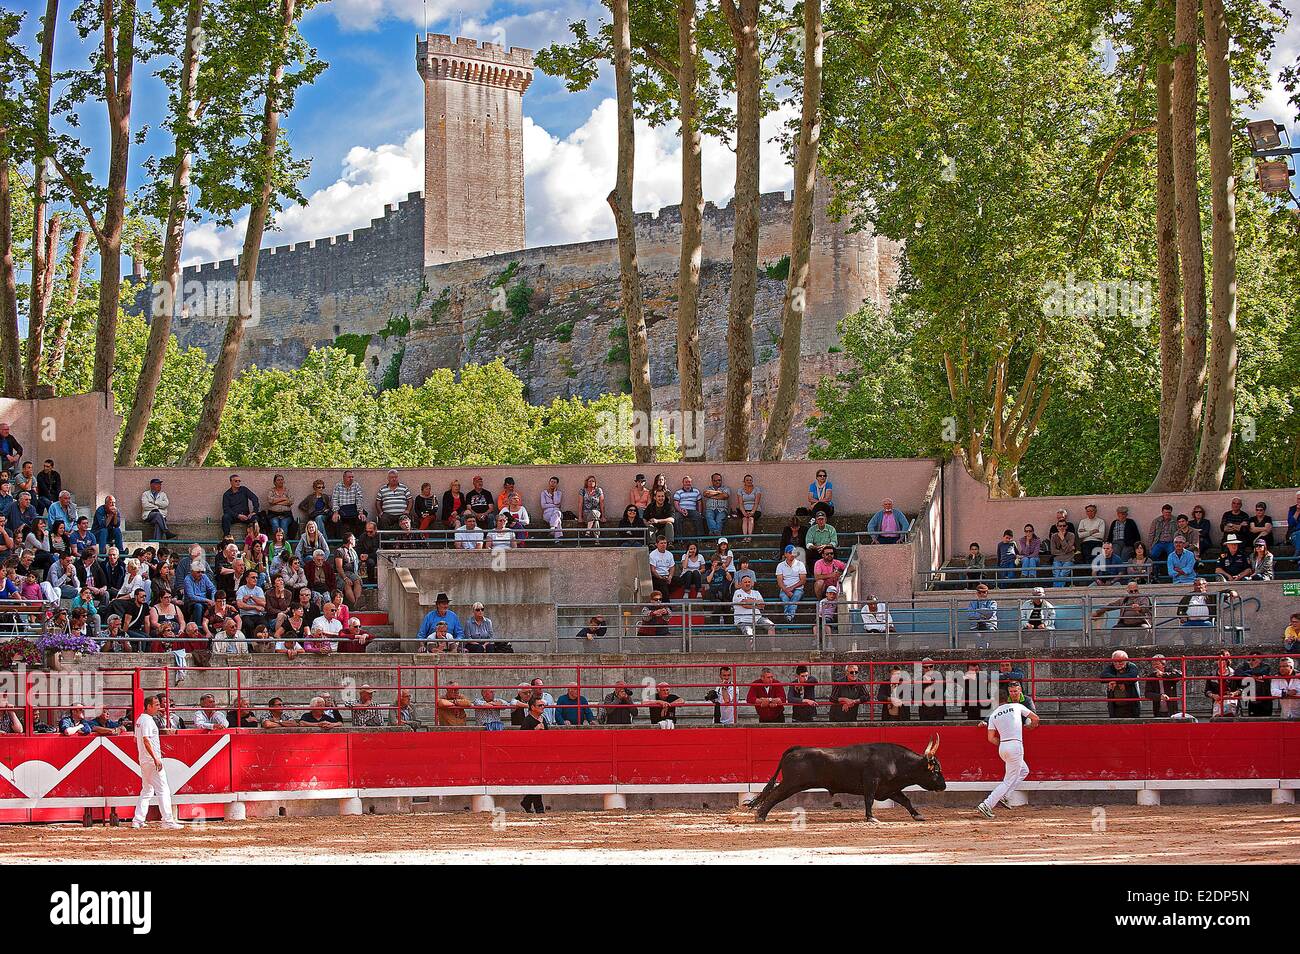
877 771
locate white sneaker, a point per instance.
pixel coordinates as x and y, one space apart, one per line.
984 810
136 824
172 825
1006 804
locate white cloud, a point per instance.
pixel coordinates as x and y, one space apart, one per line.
1274 104
565 184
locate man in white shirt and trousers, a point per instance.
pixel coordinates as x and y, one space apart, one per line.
1006 728
153 777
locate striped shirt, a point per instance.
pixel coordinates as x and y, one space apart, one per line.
687 500
393 501
348 496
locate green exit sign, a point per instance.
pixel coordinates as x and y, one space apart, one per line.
1291 589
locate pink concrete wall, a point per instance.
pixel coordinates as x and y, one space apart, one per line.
970 516
195 492
78 432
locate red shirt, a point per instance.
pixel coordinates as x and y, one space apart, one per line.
767 690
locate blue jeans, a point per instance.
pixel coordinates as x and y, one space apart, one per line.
790 602
107 534
1295 542
494 726
1160 553
715 520
1061 570
279 522
1029 566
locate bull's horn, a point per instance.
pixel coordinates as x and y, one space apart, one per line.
933 746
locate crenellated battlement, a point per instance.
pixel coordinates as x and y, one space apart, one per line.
437 57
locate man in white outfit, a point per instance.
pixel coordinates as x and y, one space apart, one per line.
153 777
1006 728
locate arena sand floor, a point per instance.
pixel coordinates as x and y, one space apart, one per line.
1234 834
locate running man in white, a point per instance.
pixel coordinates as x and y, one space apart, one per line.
1006 728
153 777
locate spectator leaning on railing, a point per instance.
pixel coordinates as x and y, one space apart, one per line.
1286 688
1164 687
1123 688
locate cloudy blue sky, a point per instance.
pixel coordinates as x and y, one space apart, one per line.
361 122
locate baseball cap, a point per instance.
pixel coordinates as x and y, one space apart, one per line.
155 480
789 548
832 589
1038 591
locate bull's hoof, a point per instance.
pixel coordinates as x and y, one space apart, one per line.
873 820
918 817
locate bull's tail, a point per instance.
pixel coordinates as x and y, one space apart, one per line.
771 782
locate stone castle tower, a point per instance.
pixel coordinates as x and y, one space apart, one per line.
473 147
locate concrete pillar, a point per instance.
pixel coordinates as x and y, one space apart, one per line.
350 806
1148 797
1283 796
1018 799
236 811
615 803
482 803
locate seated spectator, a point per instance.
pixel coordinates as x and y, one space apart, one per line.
1291 635
291 633
692 572
743 569
480 502
355 637
238 505
425 508
828 612
593 507
1122 686
208 717
749 506
747 609
1286 688
975 564
659 516
876 617
1233 565
552 502
595 628
325 631
1223 689
1140 567
847 696
517 515
1008 558
572 708
1293 524
894 694
108 523
1036 612
470 537
452 706
618 707
655 617
1031 548
1235 521
348 514
662 707
1191 536
320 577
663 566
49 484
725 697
982 612
1123 534
767 696
11 450
1135 610
63 510
821 496
1201 524
10 722
632 528
718 580
1062 548
1198 608
230 638
802 696
1261 563
821 534
1161 535
320 716
1181 562
1108 566
686 507
250 600
1164 687
295 577
76 723
82 538
316 507
241 716
368 545
502 538
791 576
393 501
347 570
717 505
888 525
489 711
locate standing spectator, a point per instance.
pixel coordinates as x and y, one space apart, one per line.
802 696
1037 613
1122 686
791 576
847 696
662 707
887 525
392 502
972 696
717 504
153 510
368 546
828 613
619 706
348 498
1062 547
767 696
655 617
441 612
1164 688
1161 534
725 697
534 719
658 516
1123 534
347 570
238 505
639 496
821 496
1286 688
572 708
894 693
686 507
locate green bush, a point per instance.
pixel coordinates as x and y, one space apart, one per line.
564 332
354 344
519 300
779 270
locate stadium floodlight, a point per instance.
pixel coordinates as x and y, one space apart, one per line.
1274 176
1264 134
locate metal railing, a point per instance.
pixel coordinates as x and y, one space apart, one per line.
1046 574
